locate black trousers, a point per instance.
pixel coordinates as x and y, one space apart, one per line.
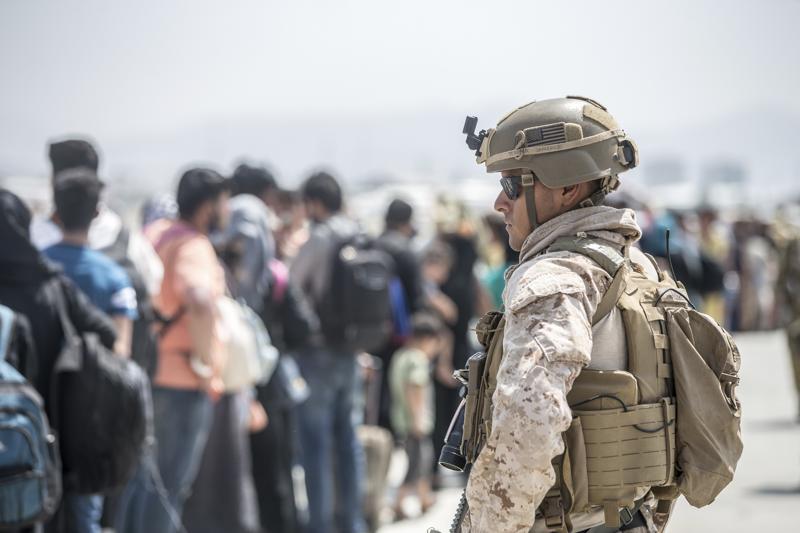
273 452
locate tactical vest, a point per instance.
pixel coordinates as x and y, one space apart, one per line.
669 423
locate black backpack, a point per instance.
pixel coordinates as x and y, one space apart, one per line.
144 341
356 311
102 410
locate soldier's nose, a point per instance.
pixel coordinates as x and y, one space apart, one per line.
502 204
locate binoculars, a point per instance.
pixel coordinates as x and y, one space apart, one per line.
456 443
451 457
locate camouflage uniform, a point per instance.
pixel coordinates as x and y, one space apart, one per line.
788 288
549 300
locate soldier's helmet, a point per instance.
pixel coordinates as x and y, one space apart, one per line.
562 141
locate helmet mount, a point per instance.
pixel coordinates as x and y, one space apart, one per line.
474 141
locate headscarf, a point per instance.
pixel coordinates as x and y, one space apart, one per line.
20 261
248 235
159 207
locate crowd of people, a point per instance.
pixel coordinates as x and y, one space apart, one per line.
344 312
728 260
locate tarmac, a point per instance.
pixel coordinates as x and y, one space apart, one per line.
765 493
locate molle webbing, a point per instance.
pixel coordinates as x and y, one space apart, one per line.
629 444
628 448
478 410
647 341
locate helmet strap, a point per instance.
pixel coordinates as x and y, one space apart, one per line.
610 184
595 199
530 201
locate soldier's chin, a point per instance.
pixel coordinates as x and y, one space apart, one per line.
515 243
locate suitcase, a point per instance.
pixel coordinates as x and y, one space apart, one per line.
377 443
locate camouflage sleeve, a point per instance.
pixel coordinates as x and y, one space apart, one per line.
789 276
547 341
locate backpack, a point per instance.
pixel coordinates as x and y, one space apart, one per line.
670 422
401 317
287 318
396 247
144 339
30 469
102 410
356 311
251 356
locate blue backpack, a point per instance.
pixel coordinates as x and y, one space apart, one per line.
30 469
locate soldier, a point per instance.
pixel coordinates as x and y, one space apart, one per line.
602 395
558 159
786 233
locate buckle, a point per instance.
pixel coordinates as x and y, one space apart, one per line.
528 179
553 512
625 516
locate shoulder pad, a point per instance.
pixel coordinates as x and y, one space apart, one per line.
608 256
543 278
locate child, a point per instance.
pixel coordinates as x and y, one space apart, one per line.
412 406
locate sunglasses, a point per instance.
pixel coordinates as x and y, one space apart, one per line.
512 186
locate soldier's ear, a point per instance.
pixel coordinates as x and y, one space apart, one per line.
571 195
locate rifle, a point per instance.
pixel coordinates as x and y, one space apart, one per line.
461 512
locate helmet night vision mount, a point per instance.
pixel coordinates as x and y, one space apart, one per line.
473 141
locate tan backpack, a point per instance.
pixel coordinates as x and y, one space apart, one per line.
670 422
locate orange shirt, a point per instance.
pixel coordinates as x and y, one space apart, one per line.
189 263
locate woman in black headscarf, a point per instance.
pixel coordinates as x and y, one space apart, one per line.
31 286
248 249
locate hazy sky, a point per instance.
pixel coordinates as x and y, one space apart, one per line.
115 69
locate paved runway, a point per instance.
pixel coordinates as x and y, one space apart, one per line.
765 494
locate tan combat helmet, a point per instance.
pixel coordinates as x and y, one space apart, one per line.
562 142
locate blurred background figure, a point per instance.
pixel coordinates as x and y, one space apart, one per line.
326 418
412 408
786 233
500 256
457 230
76 194
223 496
247 246
396 240
437 260
162 206
715 247
293 230
34 288
108 232
191 353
